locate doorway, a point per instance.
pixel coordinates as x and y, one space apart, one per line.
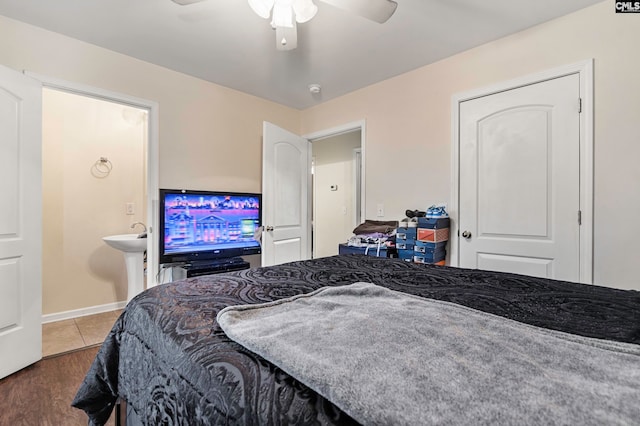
522 188
22 121
94 185
98 171
336 191
286 181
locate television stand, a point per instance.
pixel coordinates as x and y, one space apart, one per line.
217 266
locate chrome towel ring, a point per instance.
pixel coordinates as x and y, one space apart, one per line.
101 168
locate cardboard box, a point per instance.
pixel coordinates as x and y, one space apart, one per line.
406 233
369 251
428 247
430 257
408 245
433 235
406 255
423 222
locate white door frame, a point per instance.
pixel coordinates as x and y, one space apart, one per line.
152 154
342 129
585 71
357 185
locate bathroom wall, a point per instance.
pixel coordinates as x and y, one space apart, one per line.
84 201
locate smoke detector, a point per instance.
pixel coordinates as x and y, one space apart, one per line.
314 88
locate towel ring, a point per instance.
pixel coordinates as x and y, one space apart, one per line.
101 168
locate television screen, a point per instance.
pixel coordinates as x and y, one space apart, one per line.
204 225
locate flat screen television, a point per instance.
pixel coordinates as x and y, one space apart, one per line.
207 225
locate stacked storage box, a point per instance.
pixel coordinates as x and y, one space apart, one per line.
423 240
431 240
406 235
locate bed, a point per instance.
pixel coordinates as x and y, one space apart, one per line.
170 361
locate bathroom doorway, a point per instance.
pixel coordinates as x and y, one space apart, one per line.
99 178
94 185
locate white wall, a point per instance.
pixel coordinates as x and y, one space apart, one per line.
408 118
333 220
82 202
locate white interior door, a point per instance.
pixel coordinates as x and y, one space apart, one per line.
20 221
286 178
520 180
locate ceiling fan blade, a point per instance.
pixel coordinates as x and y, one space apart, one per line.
375 10
186 2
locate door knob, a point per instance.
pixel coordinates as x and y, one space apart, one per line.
268 228
466 234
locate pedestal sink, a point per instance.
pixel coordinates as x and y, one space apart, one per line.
133 249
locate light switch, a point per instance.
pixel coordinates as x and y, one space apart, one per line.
380 210
130 208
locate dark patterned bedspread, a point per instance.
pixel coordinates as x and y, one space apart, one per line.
168 358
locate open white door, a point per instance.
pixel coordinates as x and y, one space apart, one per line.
20 221
286 177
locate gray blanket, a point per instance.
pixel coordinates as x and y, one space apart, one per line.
386 357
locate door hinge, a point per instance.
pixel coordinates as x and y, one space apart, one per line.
579 217
579 105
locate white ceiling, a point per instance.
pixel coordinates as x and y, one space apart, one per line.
224 42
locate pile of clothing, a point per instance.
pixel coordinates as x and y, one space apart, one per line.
374 235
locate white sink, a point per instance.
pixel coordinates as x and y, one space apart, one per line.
133 249
129 243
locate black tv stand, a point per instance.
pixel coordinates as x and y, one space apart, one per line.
216 266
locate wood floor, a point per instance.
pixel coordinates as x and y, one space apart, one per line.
41 394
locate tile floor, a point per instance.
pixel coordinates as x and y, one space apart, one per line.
68 335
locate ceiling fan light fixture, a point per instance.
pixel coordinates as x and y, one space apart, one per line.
262 7
282 15
304 10
286 13
286 38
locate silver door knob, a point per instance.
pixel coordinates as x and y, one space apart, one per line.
268 228
466 234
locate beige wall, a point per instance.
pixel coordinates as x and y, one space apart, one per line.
83 202
408 117
202 125
334 216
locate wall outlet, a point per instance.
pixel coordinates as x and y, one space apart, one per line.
130 208
380 210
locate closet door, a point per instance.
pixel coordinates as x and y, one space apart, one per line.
520 180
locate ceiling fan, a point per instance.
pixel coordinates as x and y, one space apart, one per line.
285 14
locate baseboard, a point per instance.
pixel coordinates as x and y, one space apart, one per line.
91 310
